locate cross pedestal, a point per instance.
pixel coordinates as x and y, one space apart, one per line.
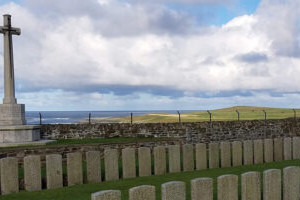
13 128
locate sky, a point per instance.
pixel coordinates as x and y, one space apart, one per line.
155 55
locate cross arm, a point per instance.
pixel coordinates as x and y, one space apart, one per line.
13 31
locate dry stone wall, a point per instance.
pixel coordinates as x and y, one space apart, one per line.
197 132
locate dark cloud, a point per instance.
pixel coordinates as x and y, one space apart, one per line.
252 57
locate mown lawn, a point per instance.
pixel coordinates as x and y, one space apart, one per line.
83 192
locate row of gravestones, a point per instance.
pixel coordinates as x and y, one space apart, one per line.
227 188
225 154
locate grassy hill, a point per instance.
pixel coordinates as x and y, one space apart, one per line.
225 114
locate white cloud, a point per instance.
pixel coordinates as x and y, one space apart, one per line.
93 43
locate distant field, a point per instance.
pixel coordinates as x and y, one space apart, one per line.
226 114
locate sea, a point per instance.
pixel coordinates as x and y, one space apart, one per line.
70 117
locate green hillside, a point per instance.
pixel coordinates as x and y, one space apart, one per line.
225 114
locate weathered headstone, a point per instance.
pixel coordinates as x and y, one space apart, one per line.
9 175
144 155
214 155
202 189
268 150
278 149
74 168
201 156
248 152
174 158
228 187
237 153
287 149
174 190
225 154
159 160
144 192
258 151
272 184
291 183
107 195
251 186
188 157
93 166
296 147
54 171
32 173
128 163
111 163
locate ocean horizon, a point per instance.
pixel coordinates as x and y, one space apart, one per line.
69 117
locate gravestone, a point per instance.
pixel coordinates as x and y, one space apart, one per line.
111 163
251 186
144 155
214 155
74 168
228 187
225 154
174 158
248 152
188 157
258 151
202 189
278 149
237 154
143 192
13 128
54 171
32 173
128 163
160 164
201 156
272 184
93 166
174 190
268 150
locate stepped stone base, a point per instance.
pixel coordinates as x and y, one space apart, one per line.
12 114
19 133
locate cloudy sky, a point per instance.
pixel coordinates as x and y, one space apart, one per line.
158 54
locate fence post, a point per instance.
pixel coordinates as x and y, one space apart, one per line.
179 118
131 118
40 118
209 115
90 118
295 114
238 113
265 114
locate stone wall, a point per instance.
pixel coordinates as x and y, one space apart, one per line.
204 132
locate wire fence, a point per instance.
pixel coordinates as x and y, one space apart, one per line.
69 117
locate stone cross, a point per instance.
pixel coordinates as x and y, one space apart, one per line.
9 80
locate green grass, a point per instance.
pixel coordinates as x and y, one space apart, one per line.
226 114
83 192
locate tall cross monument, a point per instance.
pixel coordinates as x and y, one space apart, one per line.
9 81
13 128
